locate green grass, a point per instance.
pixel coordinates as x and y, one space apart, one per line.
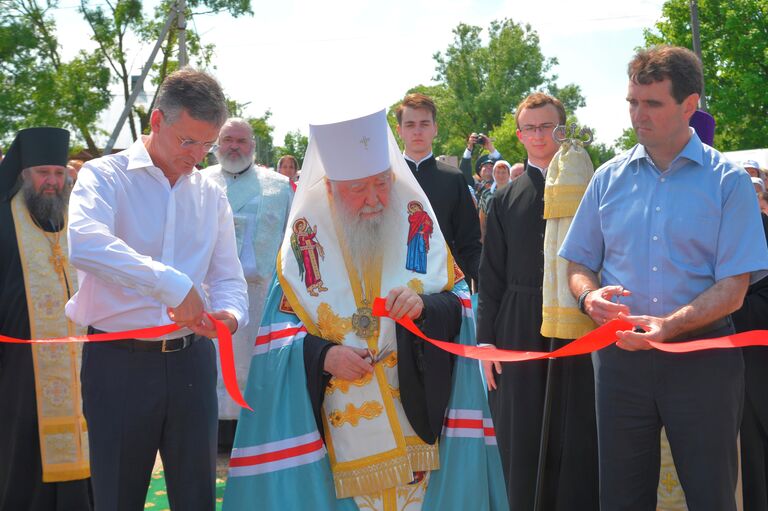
157 499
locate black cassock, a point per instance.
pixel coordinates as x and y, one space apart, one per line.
509 315
21 472
449 195
423 369
753 315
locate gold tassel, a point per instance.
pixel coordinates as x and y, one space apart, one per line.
371 479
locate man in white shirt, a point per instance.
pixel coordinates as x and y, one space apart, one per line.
154 240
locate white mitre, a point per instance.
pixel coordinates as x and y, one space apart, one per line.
353 149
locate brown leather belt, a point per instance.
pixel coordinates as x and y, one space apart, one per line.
163 346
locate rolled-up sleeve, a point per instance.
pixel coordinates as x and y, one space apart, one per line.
94 248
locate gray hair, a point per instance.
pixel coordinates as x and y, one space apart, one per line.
196 92
238 122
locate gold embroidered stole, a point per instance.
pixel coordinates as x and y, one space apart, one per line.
49 280
371 444
567 179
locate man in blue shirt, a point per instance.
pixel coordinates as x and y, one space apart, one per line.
673 230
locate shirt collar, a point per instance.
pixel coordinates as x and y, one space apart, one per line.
693 151
138 157
417 162
543 171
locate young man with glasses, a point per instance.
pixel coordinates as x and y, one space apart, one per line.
155 243
510 316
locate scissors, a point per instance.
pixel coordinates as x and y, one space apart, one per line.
375 359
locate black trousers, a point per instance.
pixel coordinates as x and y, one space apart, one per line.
698 397
571 467
754 431
138 402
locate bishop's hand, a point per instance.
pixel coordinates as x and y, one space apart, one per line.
404 301
347 363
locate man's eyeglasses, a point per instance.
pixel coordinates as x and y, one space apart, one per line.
188 142
530 129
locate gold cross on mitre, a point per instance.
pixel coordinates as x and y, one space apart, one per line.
365 141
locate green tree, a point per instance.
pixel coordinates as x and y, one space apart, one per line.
479 84
262 133
627 140
734 47
112 22
600 153
295 144
485 82
37 86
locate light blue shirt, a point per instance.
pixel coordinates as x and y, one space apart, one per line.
668 236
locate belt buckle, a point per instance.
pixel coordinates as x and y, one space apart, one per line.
164 348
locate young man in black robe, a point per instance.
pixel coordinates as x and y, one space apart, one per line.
33 184
753 315
510 316
444 185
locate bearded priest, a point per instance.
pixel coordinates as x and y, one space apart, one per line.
43 437
353 411
260 201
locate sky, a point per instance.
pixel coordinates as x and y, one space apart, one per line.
322 61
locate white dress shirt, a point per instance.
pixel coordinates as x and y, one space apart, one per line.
140 245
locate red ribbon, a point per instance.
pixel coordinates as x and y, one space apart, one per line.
595 340
226 353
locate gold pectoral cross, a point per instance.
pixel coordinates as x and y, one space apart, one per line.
364 323
57 259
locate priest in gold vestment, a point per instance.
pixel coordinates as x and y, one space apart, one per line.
43 436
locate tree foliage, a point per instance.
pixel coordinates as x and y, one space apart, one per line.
37 88
294 144
480 83
262 133
112 22
734 47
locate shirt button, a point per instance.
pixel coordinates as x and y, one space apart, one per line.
658 208
655 269
655 300
663 179
655 238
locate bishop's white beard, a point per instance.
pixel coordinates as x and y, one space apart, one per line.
234 162
367 238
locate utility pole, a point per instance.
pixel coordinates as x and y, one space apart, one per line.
139 86
694 6
181 26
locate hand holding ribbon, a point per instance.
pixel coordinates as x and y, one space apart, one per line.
595 340
222 334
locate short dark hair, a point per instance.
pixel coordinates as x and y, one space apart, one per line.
416 100
196 92
538 100
680 65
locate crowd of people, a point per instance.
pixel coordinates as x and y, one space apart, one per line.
355 411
